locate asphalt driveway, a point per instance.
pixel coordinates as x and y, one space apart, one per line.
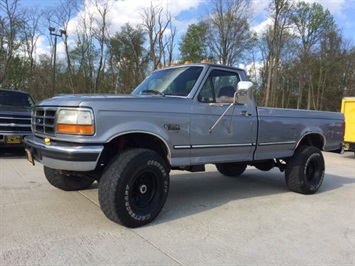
208 219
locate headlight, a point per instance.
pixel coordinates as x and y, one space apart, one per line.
75 121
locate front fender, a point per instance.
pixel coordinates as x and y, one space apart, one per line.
139 127
136 127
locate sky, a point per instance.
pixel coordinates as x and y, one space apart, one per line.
185 12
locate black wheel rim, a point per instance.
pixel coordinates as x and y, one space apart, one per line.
313 173
143 190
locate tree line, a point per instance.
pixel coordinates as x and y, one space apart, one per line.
301 60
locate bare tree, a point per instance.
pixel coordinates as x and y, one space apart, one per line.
169 47
10 26
84 53
155 25
229 34
101 35
63 14
31 35
280 10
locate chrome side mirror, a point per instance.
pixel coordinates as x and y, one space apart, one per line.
244 92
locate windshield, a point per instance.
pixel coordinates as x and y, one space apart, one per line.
170 81
14 98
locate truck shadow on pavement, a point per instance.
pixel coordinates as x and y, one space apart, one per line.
13 153
191 194
349 155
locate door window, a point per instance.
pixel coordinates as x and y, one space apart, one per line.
219 87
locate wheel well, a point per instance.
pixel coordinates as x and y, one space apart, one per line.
315 140
134 140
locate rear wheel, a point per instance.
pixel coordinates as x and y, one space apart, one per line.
134 188
231 169
304 172
66 182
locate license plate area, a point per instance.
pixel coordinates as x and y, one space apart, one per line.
13 139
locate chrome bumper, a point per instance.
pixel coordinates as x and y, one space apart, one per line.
63 155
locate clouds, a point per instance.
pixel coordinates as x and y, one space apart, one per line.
262 26
336 7
259 7
121 12
185 12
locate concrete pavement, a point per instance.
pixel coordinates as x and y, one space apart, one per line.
208 219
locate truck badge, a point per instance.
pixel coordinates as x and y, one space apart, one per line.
172 127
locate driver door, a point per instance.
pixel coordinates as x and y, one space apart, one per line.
233 137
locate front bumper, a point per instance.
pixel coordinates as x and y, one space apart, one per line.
63 155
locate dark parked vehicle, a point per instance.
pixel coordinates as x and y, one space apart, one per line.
15 117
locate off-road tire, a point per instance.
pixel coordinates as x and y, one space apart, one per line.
231 169
304 172
134 188
66 182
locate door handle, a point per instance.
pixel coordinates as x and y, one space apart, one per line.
245 113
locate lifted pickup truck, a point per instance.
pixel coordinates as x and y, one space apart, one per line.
15 117
179 118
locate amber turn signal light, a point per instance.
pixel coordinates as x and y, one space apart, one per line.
75 129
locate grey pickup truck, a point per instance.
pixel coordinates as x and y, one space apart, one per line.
178 118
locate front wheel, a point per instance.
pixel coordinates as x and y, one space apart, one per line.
134 188
304 172
66 182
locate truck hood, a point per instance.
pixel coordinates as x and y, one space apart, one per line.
126 102
15 110
75 100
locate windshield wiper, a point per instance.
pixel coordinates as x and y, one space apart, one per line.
154 92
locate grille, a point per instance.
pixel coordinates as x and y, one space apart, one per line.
18 123
43 120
